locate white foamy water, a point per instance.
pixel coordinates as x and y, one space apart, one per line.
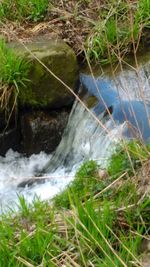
83 139
15 168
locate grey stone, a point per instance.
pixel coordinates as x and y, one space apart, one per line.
44 90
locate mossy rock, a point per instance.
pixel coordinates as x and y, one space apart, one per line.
44 90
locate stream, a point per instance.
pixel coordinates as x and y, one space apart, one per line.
122 106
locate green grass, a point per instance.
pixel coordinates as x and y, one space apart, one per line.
142 15
13 73
112 29
21 10
80 228
120 23
13 68
129 157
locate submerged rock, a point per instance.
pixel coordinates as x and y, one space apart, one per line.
10 136
42 131
44 90
32 182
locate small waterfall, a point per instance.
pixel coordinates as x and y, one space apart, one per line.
84 138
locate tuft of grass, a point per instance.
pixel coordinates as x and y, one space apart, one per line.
20 10
13 75
13 68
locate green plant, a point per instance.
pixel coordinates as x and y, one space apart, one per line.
107 231
20 10
111 36
111 33
13 68
13 75
85 180
142 15
128 157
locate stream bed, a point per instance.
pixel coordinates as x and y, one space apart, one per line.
122 101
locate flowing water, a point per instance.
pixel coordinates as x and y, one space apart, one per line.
84 138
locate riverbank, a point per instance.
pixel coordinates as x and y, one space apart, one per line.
101 219
102 31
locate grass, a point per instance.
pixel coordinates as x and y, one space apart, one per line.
106 30
21 10
13 76
142 15
121 25
80 229
13 68
91 183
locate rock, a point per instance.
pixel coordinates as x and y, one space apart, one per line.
44 90
145 245
42 131
145 250
145 260
103 174
10 139
8 112
32 182
3 120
